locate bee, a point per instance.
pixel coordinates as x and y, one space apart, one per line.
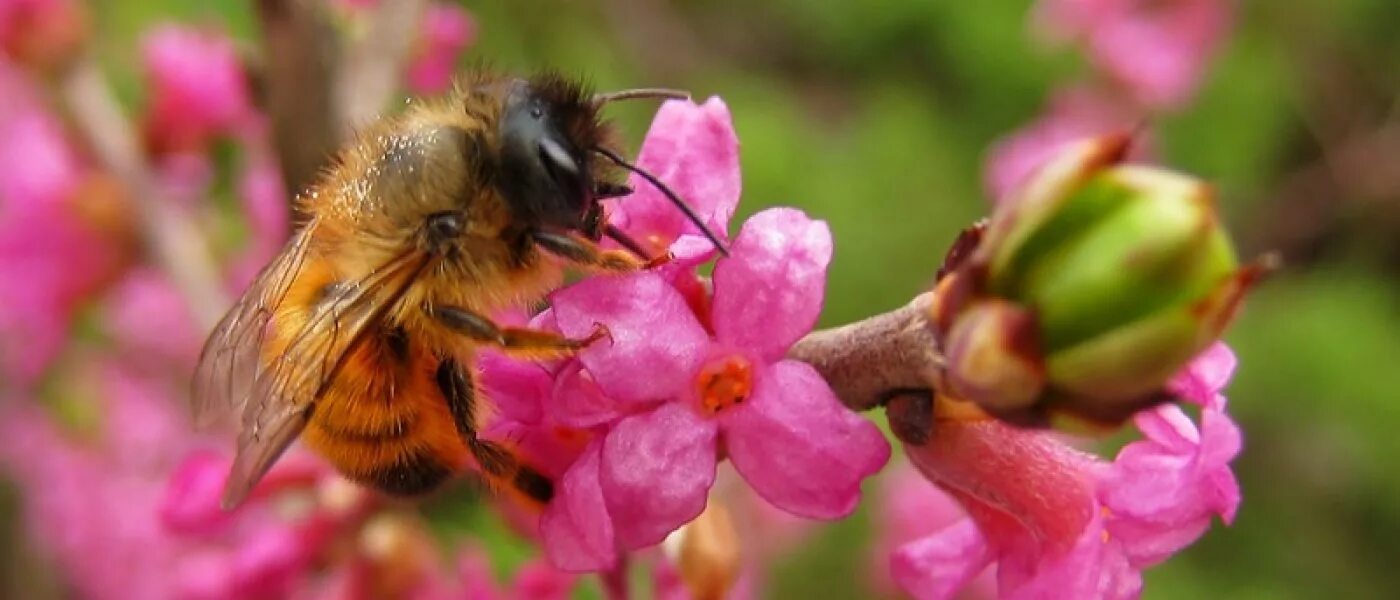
359 336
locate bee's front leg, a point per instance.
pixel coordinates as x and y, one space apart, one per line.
516 341
586 253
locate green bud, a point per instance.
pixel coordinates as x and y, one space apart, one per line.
1116 275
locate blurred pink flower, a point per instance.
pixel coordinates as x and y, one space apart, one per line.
198 89
535 580
447 30
49 257
266 209
1157 50
909 509
693 148
150 320
1072 114
1060 523
678 390
41 33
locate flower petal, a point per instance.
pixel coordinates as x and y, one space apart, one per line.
941 565
798 447
1031 477
517 388
655 341
769 291
1163 490
579 402
1208 374
694 151
1093 568
657 469
576 527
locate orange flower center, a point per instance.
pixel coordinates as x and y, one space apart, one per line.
724 382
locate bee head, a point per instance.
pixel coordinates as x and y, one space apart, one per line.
547 130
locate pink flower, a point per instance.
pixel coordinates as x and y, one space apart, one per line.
1072 114
41 33
50 259
198 89
680 390
693 149
910 509
1157 50
447 30
534 580
266 208
149 318
1057 522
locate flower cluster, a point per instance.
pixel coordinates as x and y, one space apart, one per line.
118 491
1057 522
691 373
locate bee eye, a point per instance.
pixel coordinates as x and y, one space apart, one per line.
445 225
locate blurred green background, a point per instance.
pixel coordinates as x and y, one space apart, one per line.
876 116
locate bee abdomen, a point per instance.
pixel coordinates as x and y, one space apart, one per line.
414 473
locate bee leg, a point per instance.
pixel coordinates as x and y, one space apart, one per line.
586 253
516 341
497 462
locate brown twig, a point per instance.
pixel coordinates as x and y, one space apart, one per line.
866 361
299 62
317 86
177 245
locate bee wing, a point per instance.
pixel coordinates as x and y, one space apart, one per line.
284 390
231 358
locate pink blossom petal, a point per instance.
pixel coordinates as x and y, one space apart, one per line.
150 320
537 580
576 527
447 30
651 329
579 402
657 469
1162 494
798 447
270 561
1093 568
517 388
939 566
192 498
1070 115
1045 486
198 86
693 150
1203 379
769 291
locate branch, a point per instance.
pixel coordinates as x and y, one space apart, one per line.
299 61
317 87
178 246
374 63
867 361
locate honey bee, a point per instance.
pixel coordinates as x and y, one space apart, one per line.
359 336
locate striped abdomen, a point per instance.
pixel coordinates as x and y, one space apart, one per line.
402 418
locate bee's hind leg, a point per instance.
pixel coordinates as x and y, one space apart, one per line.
516 341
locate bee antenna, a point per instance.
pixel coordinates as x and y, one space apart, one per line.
670 195
669 94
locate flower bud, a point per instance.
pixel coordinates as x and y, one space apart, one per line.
706 551
1088 291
